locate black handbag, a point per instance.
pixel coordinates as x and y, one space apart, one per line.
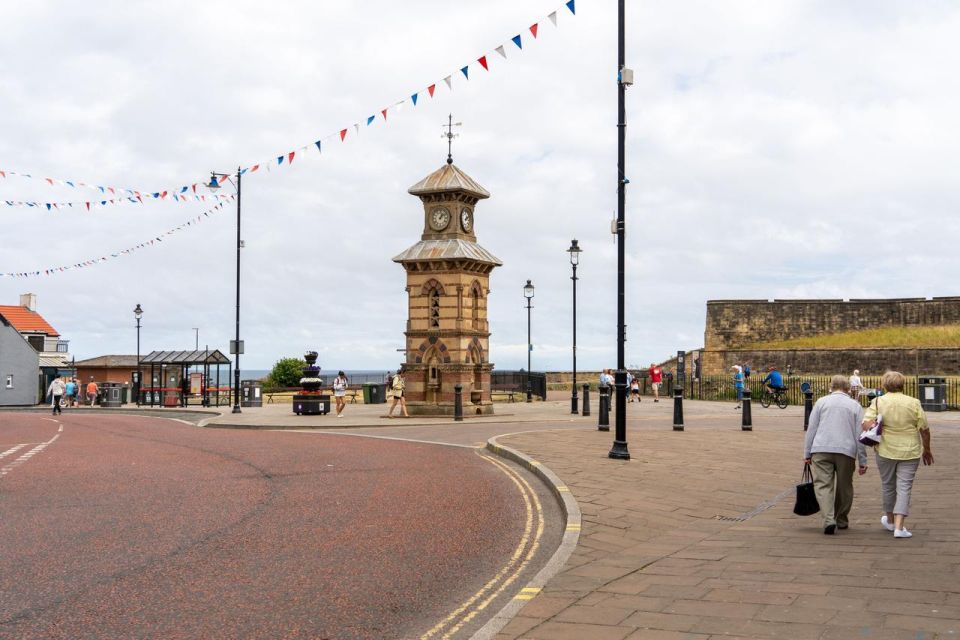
806 504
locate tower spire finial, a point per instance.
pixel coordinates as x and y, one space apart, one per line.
450 135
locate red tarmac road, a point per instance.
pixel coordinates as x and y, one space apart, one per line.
128 527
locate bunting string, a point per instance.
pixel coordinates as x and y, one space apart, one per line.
89 262
514 44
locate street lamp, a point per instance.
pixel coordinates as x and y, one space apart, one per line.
196 339
528 294
619 451
574 252
236 347
138 313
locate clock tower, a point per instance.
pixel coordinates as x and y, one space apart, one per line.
448 281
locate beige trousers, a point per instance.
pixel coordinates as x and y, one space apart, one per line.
833 484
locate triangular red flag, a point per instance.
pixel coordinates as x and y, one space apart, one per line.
431 89
194 188
88 206
384 112
50 180
290 157
533 29
483 62
343 134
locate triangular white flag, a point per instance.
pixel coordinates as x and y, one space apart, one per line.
449 83
501 51
398 106
553 18
357 128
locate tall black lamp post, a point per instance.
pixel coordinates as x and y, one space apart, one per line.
138 313
619 450
528 294
574 252
236 346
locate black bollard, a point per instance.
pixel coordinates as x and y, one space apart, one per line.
807 407
747 423
586 400
604 423
458 402
678 408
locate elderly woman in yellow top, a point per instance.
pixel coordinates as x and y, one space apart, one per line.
899 451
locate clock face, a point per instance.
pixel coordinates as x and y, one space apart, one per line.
439 218
466 220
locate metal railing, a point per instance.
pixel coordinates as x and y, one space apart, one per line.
722 388
517 381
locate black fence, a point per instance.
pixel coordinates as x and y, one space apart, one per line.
516 382
721 388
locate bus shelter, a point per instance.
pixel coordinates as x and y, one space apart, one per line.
169 384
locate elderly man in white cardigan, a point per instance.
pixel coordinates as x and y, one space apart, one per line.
832 447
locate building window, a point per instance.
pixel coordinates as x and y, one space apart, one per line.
63 346
10 381
435 309
36 342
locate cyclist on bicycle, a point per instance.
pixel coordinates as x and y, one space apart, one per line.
774 380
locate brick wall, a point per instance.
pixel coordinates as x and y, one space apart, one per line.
731 324
829 361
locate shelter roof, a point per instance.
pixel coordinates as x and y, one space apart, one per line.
448 249
26 321
202 356
54 361
448 178
109 362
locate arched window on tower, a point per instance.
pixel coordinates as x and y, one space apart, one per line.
475 294
435 309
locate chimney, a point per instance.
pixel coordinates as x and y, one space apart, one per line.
29 300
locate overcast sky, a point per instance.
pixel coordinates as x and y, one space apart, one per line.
775 149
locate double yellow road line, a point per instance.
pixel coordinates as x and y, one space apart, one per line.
524 552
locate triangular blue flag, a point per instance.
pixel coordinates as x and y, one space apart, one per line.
183 189
571 7
71 184
466 72
370 119
517 41
413 98
156 195
279 159
102 190
242 171
318 145
48 206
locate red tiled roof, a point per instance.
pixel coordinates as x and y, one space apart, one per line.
24 320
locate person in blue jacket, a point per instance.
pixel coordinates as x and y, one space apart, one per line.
774 380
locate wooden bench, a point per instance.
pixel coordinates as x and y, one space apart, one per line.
510 389
351 393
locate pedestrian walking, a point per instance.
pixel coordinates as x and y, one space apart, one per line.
340 384
56 391
656 377
738 383
397 387
856 386
635 389
832 449
92 392
904 443
70 392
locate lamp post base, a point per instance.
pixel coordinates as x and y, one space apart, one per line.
619 451
574 401
236 408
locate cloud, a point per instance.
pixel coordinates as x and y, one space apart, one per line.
774 149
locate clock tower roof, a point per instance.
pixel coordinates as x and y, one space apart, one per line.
448 179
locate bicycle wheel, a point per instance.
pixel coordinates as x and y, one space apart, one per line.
782 401
765 399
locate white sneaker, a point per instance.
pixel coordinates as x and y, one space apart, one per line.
902 533
886 523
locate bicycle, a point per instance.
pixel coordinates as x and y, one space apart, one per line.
778 396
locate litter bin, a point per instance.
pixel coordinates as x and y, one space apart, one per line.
374 393
111 394
251 393
933 393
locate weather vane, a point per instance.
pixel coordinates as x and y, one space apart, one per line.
450 135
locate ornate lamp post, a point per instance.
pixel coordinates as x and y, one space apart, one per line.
236 347
138 313
528 294
574 252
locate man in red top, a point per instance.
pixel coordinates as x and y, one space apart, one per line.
656 375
